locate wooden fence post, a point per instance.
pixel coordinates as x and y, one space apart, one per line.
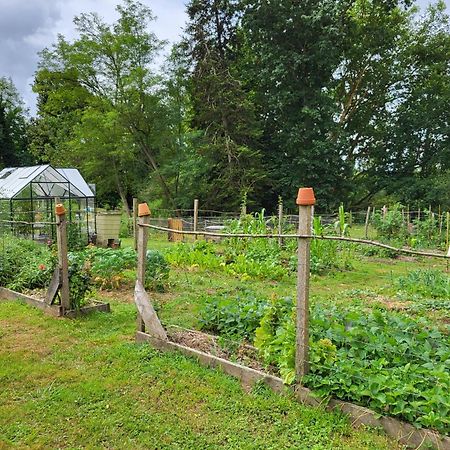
195 217
280 222
63 261
366 227
142 238
447 236
135 212
305 200
448 228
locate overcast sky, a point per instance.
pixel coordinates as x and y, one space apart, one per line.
27 26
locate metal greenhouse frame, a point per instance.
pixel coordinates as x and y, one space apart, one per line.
28 196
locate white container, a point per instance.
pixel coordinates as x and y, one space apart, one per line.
108 227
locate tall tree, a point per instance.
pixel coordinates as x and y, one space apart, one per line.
223 109
111 66
294 48
13 126
419 158
365 87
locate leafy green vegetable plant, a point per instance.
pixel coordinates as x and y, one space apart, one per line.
237 315
157 271
429 283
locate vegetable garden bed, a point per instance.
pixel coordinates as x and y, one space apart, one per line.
393 364
403 432
53 310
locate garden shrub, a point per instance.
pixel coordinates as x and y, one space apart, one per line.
235 314
157 271
25 264
429 283
391 225
106 265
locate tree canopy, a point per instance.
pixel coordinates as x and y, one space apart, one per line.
258 98
13 127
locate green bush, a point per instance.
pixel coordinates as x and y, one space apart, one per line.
25 264
234 315
157 271
80 285
106 265
429 283
427 233
391 226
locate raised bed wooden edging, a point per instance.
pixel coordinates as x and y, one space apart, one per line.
403 432
52 310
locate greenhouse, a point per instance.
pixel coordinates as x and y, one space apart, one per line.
27 202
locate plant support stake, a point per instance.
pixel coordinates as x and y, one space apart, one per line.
195 217
305 201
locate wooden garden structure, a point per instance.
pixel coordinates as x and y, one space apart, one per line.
57 301
150 329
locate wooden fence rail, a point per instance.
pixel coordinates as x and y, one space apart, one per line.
299 236
150 329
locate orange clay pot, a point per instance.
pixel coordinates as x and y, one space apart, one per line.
59 209
143 210
306 197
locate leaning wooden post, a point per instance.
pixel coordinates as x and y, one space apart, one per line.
135 213
142 238
63 261
195 217
305 200
366 227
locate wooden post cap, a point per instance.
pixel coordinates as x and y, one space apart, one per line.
306 197
143 210
59 209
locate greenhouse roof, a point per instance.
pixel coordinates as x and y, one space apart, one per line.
44 182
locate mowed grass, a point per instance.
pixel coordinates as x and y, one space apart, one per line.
84 383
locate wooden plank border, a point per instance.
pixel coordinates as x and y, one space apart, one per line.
403 432
51 310
73 313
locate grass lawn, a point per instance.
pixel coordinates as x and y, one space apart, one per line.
84 383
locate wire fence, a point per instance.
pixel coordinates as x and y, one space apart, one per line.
415 225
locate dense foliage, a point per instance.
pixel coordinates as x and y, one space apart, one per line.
24 264
13 127
259 257
258 97
236 316
27 265
392 363
429 283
